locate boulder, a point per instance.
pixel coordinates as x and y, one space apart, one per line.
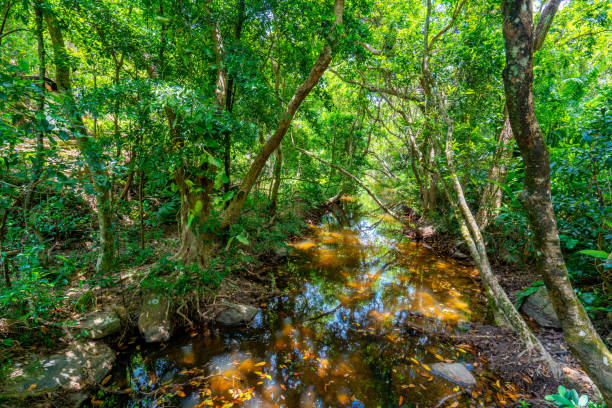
154 320
454 372
539 307
70 370
236 314
100 324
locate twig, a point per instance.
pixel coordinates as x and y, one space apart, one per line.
444 399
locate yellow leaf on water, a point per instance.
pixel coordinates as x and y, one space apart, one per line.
106 379
414 360
263 363
401 399
426 367
31 387
454 404
181 394
228 405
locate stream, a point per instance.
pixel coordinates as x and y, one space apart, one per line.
358 332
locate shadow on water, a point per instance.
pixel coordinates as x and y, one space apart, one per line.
359 332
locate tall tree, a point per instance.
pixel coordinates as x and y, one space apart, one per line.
96 166
492 194
520 42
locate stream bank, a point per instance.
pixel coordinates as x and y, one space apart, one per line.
370 323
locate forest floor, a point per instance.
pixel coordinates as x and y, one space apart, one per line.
499 345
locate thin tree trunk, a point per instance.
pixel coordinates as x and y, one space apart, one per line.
278 165
42 73
140 209
492 194
503 309
229 103
536 198
101 179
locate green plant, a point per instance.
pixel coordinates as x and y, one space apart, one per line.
524 294
565 398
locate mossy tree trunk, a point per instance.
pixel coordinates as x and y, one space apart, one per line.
96 166
492 194
536 198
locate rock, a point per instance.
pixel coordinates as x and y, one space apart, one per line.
70 370
460 255
281 252
154 320
235 314
454 372
539 307
100 324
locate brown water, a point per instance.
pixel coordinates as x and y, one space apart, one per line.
358 332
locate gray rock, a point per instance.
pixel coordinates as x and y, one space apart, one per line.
454 372
154 320
100 324
539 307
460 255
70 370
281 252
235 314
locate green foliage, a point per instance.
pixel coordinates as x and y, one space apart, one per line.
173 277
522 295
565 398
34 294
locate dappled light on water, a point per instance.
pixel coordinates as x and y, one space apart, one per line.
359 332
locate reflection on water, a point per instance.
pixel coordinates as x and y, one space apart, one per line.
357 333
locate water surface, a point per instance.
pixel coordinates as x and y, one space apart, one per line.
359 331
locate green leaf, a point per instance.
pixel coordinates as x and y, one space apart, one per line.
594 253
242 239
583 401
198 206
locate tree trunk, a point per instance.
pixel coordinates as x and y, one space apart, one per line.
197 239
97 168
578 330
492 194
504 311
278 166
491 198
141 209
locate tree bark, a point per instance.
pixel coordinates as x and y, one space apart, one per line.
97 168
536 198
